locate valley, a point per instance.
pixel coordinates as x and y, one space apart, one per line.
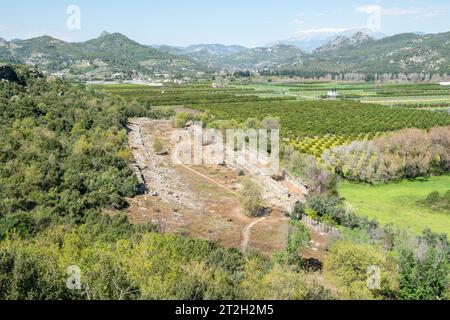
311 168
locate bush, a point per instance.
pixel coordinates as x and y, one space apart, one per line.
348 265
251 198
299 237
437 202
433 198
424 266
158 146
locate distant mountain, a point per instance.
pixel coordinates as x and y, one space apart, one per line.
262 57
310 40
217 49
115 55
106 55
238 57
207 54
403 53
355 40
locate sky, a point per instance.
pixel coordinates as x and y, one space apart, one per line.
245 22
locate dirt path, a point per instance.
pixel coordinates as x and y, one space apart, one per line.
206 177
246 234
199 201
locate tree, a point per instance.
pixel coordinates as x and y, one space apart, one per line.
251 198
270 123
350 266
158 146
424 266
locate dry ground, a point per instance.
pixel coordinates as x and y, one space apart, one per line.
197 201
202 201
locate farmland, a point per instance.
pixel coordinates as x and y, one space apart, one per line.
310 125
85 183
224 151
400 203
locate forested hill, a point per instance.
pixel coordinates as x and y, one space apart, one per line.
64 151
404 53
106 55
116 55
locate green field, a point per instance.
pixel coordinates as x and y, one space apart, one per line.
399 203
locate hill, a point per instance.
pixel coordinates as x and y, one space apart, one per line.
116 56
403 53
102 57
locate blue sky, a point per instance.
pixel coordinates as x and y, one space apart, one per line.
246 22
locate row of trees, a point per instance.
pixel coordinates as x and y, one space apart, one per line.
409 153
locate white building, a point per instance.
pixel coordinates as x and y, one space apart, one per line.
444 83
333 94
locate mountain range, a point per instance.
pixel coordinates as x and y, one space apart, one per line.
115 54
310 40
105 55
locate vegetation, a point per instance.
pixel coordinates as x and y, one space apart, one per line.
437 202
251 198
349 265
66 161
424 267
312 127
406 154
65 154
400 203
158 146
65 178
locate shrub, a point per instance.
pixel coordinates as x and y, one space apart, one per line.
251 198
424 266
158 146
437 202
348 265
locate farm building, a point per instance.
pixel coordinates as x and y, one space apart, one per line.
333 94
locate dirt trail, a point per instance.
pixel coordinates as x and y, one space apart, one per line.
246 234
207 178
201 201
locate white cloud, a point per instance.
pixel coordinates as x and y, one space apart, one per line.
321 30
300 14
318 34
298 21
370 8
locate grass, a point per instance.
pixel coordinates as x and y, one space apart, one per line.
400 203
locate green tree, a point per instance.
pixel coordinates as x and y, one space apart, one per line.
251 198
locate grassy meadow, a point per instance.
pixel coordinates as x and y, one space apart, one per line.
400 203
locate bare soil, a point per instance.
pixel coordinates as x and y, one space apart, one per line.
202 201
